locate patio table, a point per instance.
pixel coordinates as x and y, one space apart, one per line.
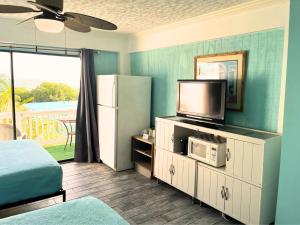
68 124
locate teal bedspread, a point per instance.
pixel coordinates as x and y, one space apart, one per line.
84 211
27 171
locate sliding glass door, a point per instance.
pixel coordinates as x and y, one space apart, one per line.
46 89
6 103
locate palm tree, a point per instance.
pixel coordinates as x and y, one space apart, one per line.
6 97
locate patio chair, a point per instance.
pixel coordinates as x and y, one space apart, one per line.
7 132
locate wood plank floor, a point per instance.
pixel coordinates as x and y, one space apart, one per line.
138 199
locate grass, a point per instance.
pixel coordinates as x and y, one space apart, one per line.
58 152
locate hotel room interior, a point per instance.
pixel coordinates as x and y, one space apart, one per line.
149 112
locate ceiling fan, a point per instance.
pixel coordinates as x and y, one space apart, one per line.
52 18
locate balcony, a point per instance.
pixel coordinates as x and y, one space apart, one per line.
47 128
59 152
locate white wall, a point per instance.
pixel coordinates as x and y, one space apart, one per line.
99 40
246 18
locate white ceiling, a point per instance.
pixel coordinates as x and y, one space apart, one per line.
137 15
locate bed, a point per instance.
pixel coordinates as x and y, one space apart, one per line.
87 211
27 173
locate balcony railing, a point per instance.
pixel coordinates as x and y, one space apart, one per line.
43 126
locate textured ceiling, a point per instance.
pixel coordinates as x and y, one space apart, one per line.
137 15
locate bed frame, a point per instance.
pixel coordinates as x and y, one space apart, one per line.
30 200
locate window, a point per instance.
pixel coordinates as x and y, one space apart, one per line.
6 107
46 89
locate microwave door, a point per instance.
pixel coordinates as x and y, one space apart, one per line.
200 150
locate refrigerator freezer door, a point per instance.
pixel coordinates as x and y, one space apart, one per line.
107 119
106 90
134 100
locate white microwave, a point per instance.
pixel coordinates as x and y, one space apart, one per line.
206 151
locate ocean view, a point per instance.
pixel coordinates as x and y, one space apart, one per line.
51 106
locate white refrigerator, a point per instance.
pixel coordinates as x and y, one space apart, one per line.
124 104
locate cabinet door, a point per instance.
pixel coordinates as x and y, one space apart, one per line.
160 134
245 203
184 174
157 134
170 143
200 182
255 205
236 199
213 189
177 179
220 196
165 135
209 187
189 171
206 185
229 195
169 167
238 158
158 163
257 165
247 161
162 164
166 163
230 156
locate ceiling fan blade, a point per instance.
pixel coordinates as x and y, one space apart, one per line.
92 21
27 20
43 7
57 5
74 25
15 9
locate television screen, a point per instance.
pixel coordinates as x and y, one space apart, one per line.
202 99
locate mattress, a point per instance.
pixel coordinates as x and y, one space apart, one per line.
27 171
85 211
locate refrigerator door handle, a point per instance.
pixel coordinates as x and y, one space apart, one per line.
113 94
116 108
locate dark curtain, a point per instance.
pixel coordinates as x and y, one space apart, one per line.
87 143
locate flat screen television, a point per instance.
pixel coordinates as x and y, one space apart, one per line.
202 100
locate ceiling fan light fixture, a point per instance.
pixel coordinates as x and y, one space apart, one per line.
49 25
53 19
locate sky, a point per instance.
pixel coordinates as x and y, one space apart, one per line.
32 69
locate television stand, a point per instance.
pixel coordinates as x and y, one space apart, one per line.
248 181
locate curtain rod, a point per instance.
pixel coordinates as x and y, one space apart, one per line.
41 47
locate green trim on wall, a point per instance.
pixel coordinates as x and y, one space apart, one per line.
263 75
288 202
106 62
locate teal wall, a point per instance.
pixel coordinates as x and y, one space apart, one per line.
106 62
288 202
263 78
